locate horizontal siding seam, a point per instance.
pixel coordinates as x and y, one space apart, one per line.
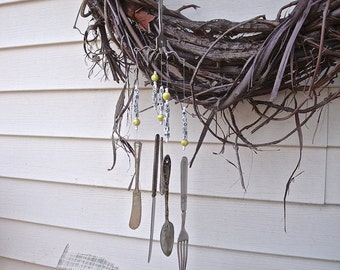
284 146
268 254
146 239
60 90
52 182
145 192
37 136
29 262
73 228
14 2
38 45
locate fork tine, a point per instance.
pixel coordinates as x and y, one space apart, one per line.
184 259
179 252
186 254
182 250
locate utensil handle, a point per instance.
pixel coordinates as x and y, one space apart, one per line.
184 183
160 15
161 175
138 150
155 166
166 176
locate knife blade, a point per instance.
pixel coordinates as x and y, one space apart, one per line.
154 192
136 211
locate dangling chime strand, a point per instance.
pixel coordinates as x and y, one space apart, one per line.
154 78
136 121
166 97
184 141
160 102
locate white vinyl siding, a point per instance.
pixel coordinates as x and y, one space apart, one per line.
55 149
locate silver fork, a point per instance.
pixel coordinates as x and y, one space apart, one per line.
183 238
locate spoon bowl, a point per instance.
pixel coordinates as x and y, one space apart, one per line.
167 237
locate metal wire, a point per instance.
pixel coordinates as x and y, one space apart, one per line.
80 261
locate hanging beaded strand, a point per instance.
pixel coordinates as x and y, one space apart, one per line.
166 97
154 78
136 121
160 102
184 141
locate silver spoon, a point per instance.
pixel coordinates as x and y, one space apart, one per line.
167 232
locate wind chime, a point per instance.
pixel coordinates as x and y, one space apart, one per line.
161 97
242 71
161 103
160 100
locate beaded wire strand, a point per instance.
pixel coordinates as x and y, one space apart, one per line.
136 121
184 141
160 110
166 97
154 79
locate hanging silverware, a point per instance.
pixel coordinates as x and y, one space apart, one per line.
154 192
183 238
167 232
136 211
161 178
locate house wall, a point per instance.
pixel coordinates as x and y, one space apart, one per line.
55 149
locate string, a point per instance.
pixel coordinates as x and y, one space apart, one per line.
184 141
166 97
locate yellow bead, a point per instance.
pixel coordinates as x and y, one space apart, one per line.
160 117
166 96
184 142
154 77
136 122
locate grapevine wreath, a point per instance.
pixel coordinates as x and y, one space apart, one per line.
281 67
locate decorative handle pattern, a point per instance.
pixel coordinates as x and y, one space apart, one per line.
161 178
166 175
184 183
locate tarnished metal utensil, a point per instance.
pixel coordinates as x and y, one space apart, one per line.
167 232
154 192
136 211
161 176
183 238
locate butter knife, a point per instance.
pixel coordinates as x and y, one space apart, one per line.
136 211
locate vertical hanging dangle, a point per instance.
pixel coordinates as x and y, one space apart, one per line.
136 121
154 79
166 97
184 141
160 104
